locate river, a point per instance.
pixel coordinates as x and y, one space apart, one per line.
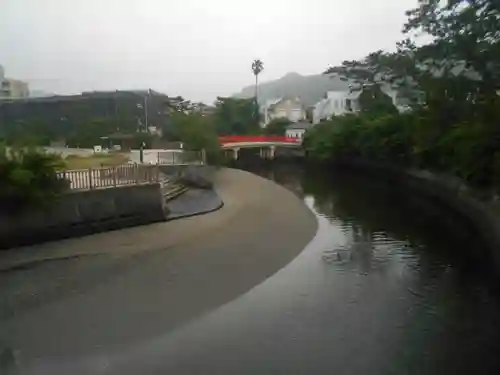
391 284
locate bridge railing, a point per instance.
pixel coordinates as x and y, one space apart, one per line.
257 138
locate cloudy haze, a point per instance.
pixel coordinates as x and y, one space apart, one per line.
195 48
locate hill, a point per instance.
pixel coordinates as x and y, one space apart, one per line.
310 89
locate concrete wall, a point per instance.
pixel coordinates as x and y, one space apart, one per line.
83 212
479 210
200 176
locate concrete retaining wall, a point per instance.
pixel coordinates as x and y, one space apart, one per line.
200 176
480 210
83 212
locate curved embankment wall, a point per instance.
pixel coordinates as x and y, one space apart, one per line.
79 213
480 211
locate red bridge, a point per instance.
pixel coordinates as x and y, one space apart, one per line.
266 143
231 139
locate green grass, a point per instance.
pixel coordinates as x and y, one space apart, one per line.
95 161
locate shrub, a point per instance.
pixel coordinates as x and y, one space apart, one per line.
468 150
28 178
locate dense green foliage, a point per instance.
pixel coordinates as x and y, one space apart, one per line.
451 85
277 126
236 116
27 178
197 131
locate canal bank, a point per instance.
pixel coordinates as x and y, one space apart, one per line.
472 215
383 288
125 287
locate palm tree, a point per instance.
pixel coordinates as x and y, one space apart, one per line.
257 68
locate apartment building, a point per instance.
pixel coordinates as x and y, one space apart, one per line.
12 88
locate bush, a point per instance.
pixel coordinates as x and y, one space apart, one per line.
468 150
28 178
277 126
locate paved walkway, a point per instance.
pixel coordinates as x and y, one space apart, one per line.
109 291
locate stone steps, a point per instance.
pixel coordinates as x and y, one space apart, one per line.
173 190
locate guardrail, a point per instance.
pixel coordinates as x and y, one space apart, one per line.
98 178
257 138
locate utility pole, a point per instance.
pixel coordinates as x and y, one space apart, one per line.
146 109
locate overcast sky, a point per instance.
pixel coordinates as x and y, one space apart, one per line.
195 48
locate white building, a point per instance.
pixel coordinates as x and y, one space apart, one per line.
338 103
290 108
298 129
12 88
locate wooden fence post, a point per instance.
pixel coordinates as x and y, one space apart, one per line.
203 157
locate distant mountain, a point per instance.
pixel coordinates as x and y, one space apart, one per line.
310 89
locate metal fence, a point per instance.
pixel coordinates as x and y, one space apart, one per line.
96 178
180 157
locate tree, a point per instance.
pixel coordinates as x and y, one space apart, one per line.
197 132
277 126
257 68
234 116
451 83
28 178
374 101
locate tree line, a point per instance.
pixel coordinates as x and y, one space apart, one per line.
450 85
82 121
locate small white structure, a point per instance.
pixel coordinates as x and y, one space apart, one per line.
298 129
153 130
289 108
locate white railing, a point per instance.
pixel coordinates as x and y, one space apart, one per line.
179 158
98 178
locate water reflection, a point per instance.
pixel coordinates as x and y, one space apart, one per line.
383 225
423 253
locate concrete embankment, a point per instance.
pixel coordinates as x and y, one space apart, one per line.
119 288
79 213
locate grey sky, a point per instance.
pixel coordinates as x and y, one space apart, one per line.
195 48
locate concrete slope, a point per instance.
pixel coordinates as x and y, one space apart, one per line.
126 287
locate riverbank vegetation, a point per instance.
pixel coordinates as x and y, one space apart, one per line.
450 87
277 126
28 178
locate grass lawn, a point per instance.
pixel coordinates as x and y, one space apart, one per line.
95 161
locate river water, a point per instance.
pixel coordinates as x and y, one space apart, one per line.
391 284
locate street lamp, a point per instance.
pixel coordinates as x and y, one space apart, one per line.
141 152
145 107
